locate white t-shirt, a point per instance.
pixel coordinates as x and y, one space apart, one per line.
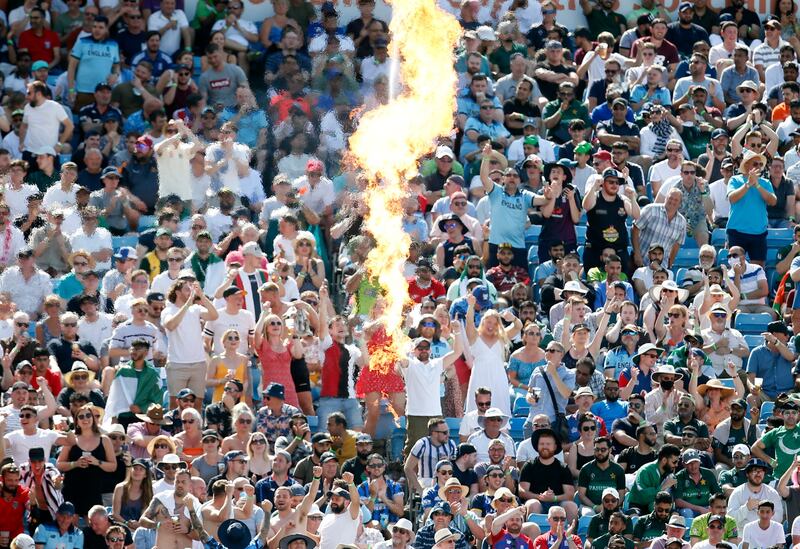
17 199
661 171
243 322
162 283
481 443
95 332
175 161
171 39
754 536
338 529
718 192
184 343
19 443
232 33
43 124
56 196
316 198
99 240
753 274
422 386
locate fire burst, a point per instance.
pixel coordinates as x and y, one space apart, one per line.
390 140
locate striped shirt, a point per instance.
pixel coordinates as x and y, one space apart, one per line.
656 228
127 332
52 495
765 55
429 455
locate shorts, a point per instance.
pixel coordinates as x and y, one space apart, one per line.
755 245
181 375
299 370
348 406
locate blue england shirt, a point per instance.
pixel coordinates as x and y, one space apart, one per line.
749 214
96 59
509 216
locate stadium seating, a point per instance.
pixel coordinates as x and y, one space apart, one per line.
752 323
515 428
766 411
540 520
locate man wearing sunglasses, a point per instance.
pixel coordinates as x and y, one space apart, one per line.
749 195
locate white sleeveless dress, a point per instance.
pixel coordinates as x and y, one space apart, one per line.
488 370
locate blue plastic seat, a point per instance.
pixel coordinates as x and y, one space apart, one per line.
515 428
313 423
752 323
718 238
533 260
453 424
540 520
521 407
583 526
118 242
753 340
766 411
686 257
580 234
777 238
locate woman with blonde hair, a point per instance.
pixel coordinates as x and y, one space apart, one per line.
231 364
70 285
158 447
309 270
49 327
677 327
488 344
243 421
133 495
259 462
190 440
85 463
276 353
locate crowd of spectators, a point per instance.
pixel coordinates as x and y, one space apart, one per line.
603 319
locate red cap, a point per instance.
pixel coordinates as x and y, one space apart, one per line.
603 155
146 140
314 165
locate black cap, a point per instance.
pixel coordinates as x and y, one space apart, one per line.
102 86
155 296
232 290
778 327
36 454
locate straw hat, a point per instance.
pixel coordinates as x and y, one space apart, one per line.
160 438
78 367
452 482
748 157
655 292
715 384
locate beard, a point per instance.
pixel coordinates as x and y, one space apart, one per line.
337 509
546 453
603 459
364 455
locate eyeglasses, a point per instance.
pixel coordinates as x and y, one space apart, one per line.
673 150
23 324
558 519
375 465
160 445
232 338
550 350
460 203
275 323
84 416
714 527
243 421
674 315
231 390
601 449
116 437
495 475
447 472
114 540
484 404
651 355
534 334
719 315
80 377
27 416
169 466
485 108
688 172
589 428
259 441
174 259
